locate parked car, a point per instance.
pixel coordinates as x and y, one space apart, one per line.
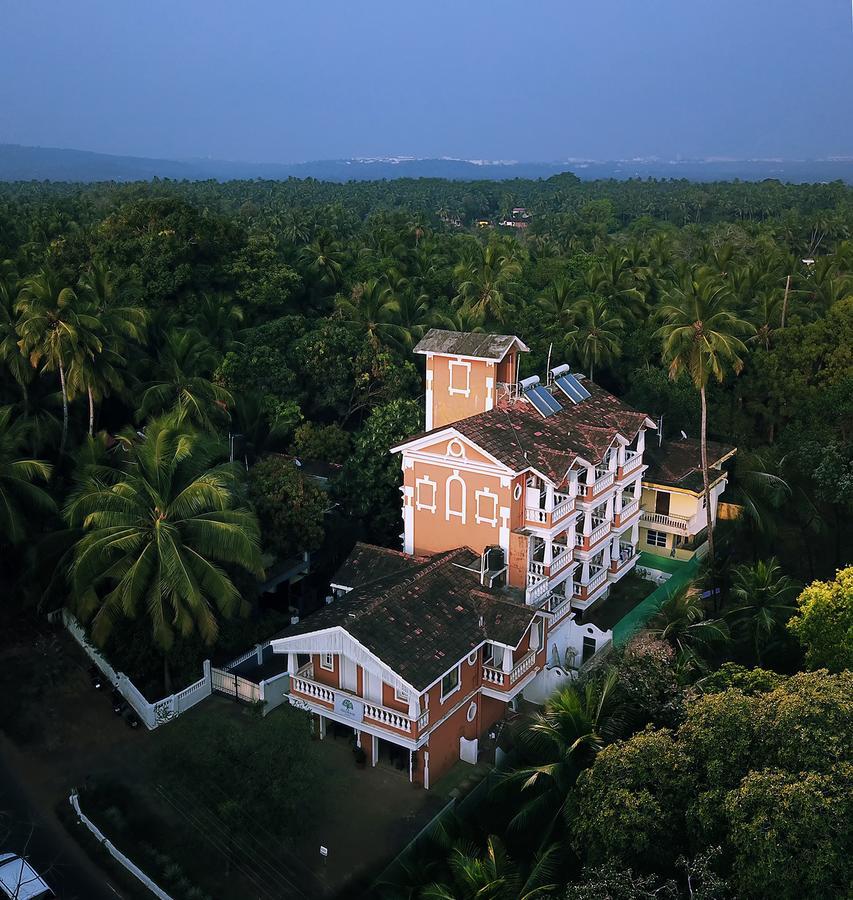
19 880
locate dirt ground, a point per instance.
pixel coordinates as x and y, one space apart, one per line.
66 735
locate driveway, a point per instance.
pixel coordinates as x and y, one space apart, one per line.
30 827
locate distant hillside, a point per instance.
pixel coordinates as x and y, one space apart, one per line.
19 163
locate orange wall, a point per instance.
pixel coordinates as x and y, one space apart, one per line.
449 407
435 531
323 676
444 742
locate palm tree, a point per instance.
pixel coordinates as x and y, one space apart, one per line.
487 281
372 309
493 875
562 740
323 260
763 602
155 538
681 622
219 319
597 336
700 336
10 353
182 382
558 302
52 330
20 496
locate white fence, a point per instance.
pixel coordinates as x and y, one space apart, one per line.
115 853
152 714
235 686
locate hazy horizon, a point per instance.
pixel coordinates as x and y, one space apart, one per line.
275 83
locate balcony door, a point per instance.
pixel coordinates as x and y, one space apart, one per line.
662 502
349 677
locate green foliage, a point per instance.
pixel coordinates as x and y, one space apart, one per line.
748 681
824 622
290 507
757 774
329 443
370 482
156 533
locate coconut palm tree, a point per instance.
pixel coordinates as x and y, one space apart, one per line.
21 498
681 621
324 262
700 335
156 538
219 319
53 328
372 309
182 382
487 281
10 353
492 875
763 598
598 333
560 742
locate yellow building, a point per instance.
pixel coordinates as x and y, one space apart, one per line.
673 520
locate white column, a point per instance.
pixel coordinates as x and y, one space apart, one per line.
428 397
548 558
605 555
641 440
590 475
549 498
620 455
374 750
414 706
608 509
322 727
587 522
506 668
635 534
638 488
292 663
585 570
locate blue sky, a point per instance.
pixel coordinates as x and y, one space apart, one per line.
295 80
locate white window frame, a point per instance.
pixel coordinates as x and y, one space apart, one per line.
401 694
425 482
659 539
486 494
466 366
448 512
456 687
327 666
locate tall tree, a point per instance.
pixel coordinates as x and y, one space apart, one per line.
700 335
487 281
763 598
21 498
156 538
598 331
53 329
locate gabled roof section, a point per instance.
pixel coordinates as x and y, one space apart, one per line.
423 620
469 343
679 463
368 563
518 436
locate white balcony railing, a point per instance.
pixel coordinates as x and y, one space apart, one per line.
382 715
536 589
633 461
535 568
499 678
629 509
597 577
678 523
561 554
602 481
563 505
600 528
535 514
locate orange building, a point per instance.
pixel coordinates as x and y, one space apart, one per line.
521 505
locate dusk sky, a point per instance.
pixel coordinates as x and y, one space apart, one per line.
280 81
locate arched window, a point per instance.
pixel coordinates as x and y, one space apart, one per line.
454 501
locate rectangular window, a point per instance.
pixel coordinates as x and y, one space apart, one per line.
450 683
327 662
487 507
425 494
401 694
656 538
460 378
662 503
588 649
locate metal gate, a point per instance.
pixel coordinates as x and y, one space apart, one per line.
234 685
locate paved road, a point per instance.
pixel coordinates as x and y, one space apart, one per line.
37 832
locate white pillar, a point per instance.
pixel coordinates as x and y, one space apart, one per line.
292 663
620 455
549 498
322 728
641 440
590 475
608 509
605 555
414 706
548 558
587 522
507 661
638 488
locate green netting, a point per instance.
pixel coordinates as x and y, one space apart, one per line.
641 614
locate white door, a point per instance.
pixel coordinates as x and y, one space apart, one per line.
349 679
